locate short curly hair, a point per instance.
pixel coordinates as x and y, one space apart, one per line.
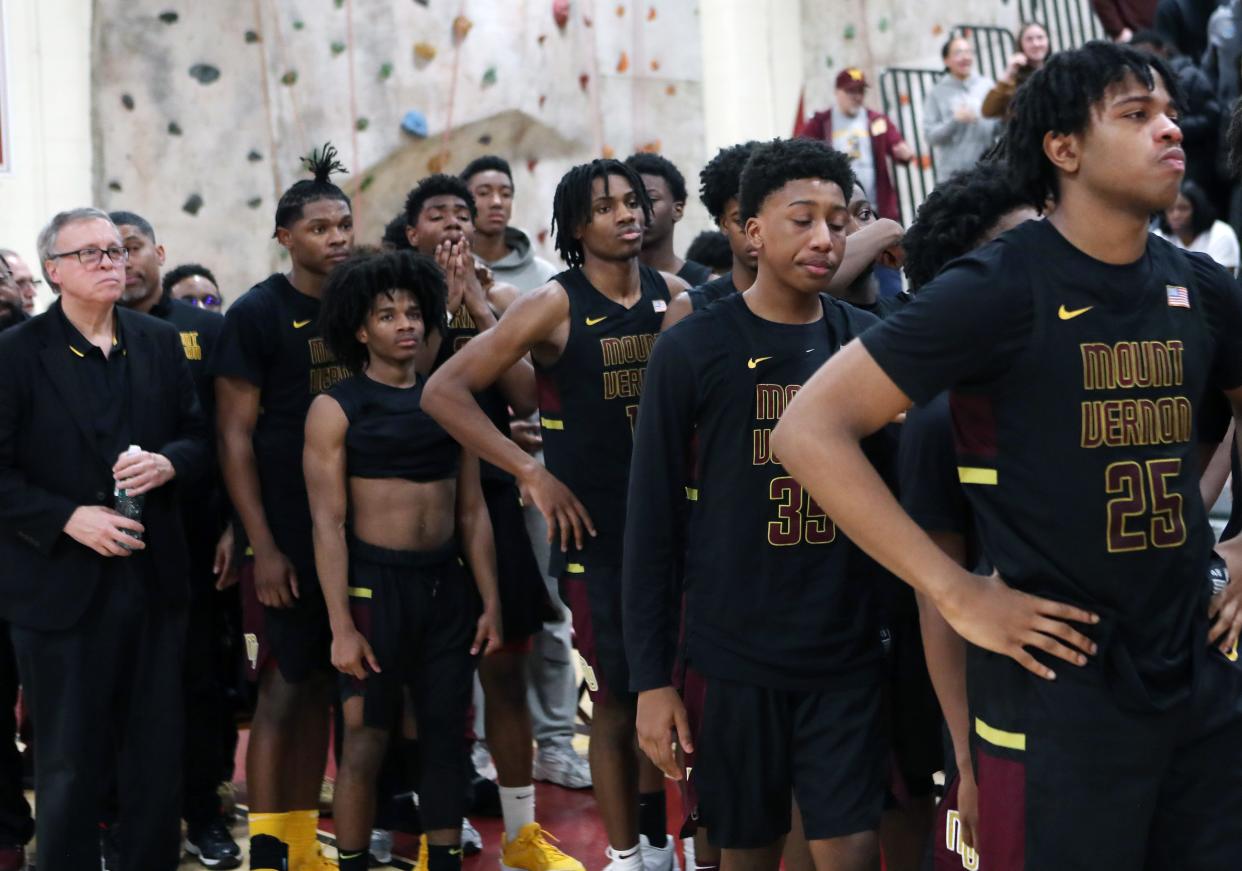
351 289
721 178
395 238
486 163
173 277
956 216
772 165
437 185
646 163
1059 98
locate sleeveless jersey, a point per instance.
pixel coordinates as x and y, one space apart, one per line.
588 402
705 294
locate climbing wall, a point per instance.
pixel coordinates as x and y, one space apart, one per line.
201 110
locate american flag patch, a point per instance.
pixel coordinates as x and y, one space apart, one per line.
1179 297
660 305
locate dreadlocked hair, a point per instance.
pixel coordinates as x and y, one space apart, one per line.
321 163
571 205
1059 98
772 165
721 178
352 288
956 216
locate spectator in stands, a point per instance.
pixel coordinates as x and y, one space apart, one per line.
711 248
1200 118
847 127
1184 23
1190 223
1222 63
957 132
1033 50
1123 18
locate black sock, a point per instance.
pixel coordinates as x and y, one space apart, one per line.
354 860
443 858
653 818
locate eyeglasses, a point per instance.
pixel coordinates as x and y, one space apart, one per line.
92 257
205 301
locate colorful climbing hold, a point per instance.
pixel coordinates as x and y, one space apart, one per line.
362 124
385 71
883 25
289 78
489 77
620 10
192 204
337 47
174 129
254 156
424 52
127 101
366 182
828 62
542 38
485 139
937 29
298 24
655 66
607 152
339 3
114 185
254 202
438 162
560 12
652 147
651 14
543 98
850 31
623 62
543 237
671 90
461 27
251 36
584 79
586 21
169 17
414 123
531 163
204 74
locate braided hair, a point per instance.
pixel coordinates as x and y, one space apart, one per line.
321 163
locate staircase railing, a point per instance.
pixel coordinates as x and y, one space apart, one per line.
902 91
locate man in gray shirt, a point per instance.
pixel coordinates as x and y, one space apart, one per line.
954 126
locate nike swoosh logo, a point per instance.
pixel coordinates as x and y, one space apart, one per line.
590 322
297 325
1066 315
755 361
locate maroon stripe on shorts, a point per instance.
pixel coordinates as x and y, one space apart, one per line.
1002 812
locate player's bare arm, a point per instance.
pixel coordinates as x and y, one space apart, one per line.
817 440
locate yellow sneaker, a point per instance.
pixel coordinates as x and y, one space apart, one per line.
533 850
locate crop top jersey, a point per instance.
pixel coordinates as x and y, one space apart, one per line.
389 434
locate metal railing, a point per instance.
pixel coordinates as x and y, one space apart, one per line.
902 91
993 46
1069 23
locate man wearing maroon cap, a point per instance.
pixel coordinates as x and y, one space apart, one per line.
847 126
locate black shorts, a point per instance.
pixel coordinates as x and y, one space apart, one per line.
593 595
524 602
418 611
297 640
692 687
911 711
758 747
1069 779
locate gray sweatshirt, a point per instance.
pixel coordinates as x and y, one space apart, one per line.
957 145
520 267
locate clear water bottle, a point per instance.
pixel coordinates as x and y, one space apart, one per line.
130 506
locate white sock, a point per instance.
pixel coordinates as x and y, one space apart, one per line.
626 860
517 805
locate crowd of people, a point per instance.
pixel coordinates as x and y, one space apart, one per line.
813 542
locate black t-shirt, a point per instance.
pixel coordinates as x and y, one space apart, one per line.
271 339
694 273
770 600
706 294
1075 386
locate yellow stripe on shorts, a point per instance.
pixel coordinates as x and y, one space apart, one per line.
999 737
973 475
360 592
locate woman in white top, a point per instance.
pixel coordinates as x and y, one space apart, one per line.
1190 223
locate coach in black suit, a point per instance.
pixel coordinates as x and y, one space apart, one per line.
98 617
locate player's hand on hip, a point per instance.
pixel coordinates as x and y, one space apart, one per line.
275 580
564 514
103 530
1225 608
141 472
988 613
662 724
352 654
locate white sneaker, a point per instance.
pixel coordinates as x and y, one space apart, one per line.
381 846
633 862
471 840
687 850
659 858
563 765
482 759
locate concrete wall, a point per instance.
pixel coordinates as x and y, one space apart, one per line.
48 71
619 76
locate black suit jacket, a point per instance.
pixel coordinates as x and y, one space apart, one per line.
50 464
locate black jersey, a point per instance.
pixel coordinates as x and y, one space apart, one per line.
588 402
885 305
694 273
769 597
706 294
462 329
389 434
1075 390
271 339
